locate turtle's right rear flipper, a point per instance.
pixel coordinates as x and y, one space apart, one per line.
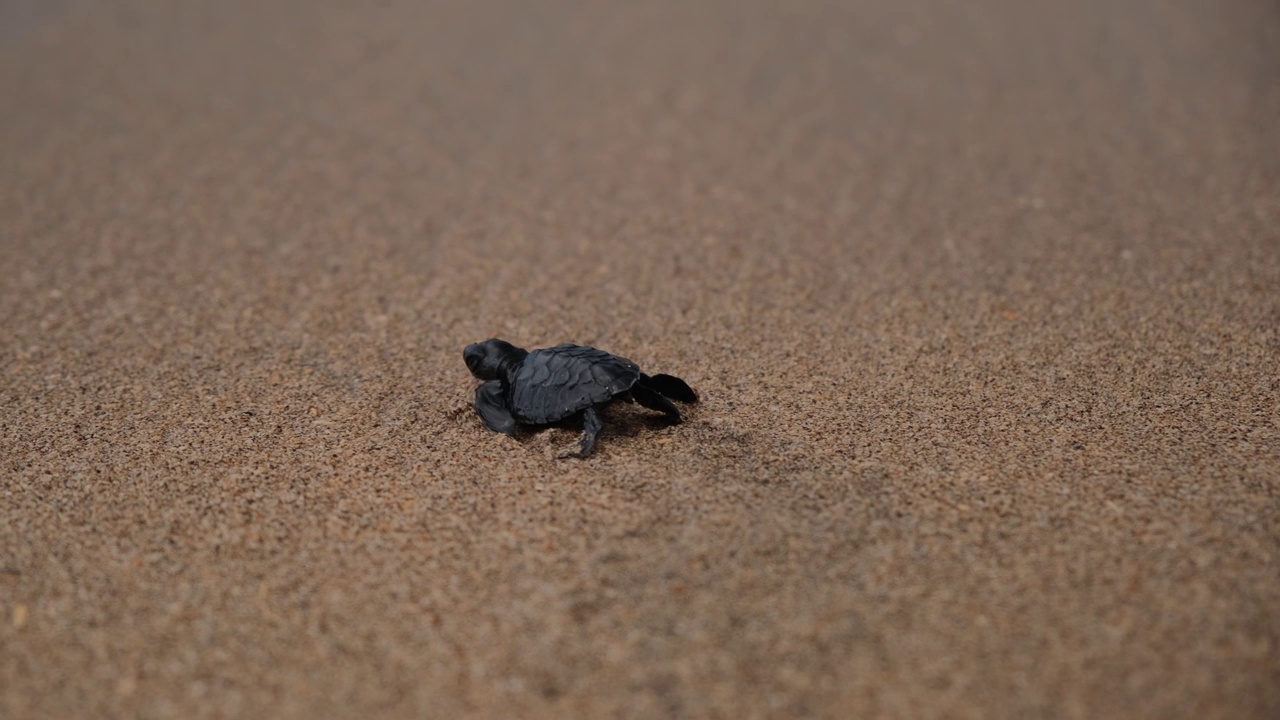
654 400
669 386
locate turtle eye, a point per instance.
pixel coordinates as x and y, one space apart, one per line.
474 357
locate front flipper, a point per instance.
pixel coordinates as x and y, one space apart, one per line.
592 424
491 405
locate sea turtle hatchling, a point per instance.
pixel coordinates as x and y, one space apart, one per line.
530 389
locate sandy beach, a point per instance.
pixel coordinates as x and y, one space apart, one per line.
982 300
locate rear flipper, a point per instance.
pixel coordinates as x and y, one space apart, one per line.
592 424
491 405
647 396
669 386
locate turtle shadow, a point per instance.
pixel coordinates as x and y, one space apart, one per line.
623 421
629 422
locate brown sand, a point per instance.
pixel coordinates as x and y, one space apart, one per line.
983 299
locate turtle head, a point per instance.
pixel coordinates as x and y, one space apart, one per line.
492 359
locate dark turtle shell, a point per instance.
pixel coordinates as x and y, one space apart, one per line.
554 383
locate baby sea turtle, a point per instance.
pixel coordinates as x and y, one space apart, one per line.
523 389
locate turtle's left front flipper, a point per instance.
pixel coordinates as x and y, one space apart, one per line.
491 405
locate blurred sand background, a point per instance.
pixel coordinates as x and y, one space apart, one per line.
982 298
